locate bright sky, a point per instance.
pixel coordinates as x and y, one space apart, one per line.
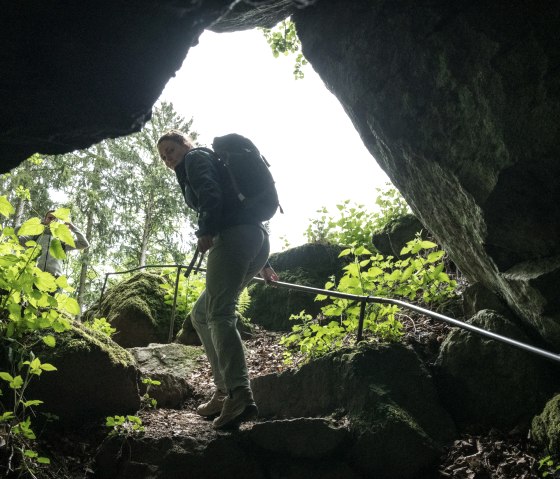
231 83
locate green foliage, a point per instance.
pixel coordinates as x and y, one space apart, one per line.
120 195
101 325
147 400
243 302
354 224
188 290
124 425
547 466
283 40
129 425
419 278
31 312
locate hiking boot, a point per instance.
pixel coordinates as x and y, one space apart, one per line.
214 406
239 406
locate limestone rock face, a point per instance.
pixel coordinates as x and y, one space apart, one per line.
457 101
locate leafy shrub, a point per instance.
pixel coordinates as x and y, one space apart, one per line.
419 278
548 467
33 307
188 289
354 224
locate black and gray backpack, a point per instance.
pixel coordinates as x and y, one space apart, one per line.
249 174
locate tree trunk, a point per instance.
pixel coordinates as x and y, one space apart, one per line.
19 207
85 260
146 230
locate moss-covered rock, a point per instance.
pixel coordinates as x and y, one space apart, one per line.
308 265
396 233
136 308
545 428
487 384
387 396
95 378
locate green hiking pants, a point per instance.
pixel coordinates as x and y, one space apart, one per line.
238 254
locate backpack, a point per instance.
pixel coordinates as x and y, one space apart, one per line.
249 174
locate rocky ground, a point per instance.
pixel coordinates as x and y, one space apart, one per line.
497 455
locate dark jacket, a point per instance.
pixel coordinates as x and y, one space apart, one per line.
210 193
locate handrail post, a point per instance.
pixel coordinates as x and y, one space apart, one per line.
174 307
361 322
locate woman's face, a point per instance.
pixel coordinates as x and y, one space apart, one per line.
172 153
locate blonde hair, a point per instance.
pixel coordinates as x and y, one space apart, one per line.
176 136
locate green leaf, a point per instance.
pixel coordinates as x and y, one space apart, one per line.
63 214
17 382
435 256
6 209
63 233
32 402
62 282
6 376
427 244
6 416
70 305
49 340
56 249
31 227
374 271
48 367
45 281
43 460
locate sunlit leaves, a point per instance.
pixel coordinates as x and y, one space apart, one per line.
63 214
419 278
283 40
15 382
6 209
31 227
49 340
45 281
36 367
354 223
62 232
68 304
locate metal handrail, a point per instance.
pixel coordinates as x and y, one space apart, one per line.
363 301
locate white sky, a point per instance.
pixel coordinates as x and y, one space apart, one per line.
230 82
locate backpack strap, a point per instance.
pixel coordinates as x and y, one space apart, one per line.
225 163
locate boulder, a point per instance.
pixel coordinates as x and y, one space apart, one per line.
545 427
487 384
387 396
137 308
95 378
171 365
311 265
396 233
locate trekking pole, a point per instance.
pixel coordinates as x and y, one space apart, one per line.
187 273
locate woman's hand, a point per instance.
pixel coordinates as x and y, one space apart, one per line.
269 275
205 243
